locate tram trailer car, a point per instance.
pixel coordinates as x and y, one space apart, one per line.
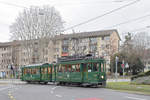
89 72
41 73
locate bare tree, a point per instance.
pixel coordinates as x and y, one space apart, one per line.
141 44
35 27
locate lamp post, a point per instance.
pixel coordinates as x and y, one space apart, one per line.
123 67
117 58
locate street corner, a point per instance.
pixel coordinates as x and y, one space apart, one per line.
89 99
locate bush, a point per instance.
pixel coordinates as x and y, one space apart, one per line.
141 75
142 80
147 73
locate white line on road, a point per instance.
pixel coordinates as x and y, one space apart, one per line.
55 87
1 89
52 92
135 98
58 96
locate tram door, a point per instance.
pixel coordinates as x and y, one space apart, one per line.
49 73
53 69
84 73
44 75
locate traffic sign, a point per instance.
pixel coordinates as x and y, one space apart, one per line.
122 65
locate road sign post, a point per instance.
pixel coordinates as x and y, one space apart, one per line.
122 65
116 67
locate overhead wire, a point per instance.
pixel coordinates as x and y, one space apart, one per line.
20 6
11 4
143 28
97 17
94 17
128 21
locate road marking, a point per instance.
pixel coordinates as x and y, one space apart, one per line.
1 89
135 98
55 87
11 97
52 92
58 96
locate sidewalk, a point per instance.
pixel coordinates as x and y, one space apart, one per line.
11 81
118 80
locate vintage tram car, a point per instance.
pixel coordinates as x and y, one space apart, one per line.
83 70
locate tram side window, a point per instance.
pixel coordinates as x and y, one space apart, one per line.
49 70
66 69
69 68
53 69
78 68
25 71
102 67
59 68
44 70
89 67
73 68
62 68
28 71
37 71
32 71
95 67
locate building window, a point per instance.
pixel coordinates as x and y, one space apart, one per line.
93 40
65 49
65 42
107 38
57 49
93 48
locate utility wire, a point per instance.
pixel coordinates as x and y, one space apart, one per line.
20 6
143 28
107 13
129 21
15 5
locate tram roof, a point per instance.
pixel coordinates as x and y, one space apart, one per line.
34 65
82 61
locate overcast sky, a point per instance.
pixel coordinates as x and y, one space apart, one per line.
76 11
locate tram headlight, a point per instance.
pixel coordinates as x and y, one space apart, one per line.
102 77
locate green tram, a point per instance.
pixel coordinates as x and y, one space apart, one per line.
88 72
42 73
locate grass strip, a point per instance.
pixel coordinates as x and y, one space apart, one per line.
126 86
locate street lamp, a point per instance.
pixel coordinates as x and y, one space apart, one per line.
117 59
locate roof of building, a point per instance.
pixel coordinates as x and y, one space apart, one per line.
88 34
66 36
2 44
7 44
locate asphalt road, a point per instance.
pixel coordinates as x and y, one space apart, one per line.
53 92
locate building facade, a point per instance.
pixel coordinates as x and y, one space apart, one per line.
103 43
99 43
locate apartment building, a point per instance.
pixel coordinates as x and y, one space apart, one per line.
5 58
99 43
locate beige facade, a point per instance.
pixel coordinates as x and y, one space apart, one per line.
5 58
100 43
